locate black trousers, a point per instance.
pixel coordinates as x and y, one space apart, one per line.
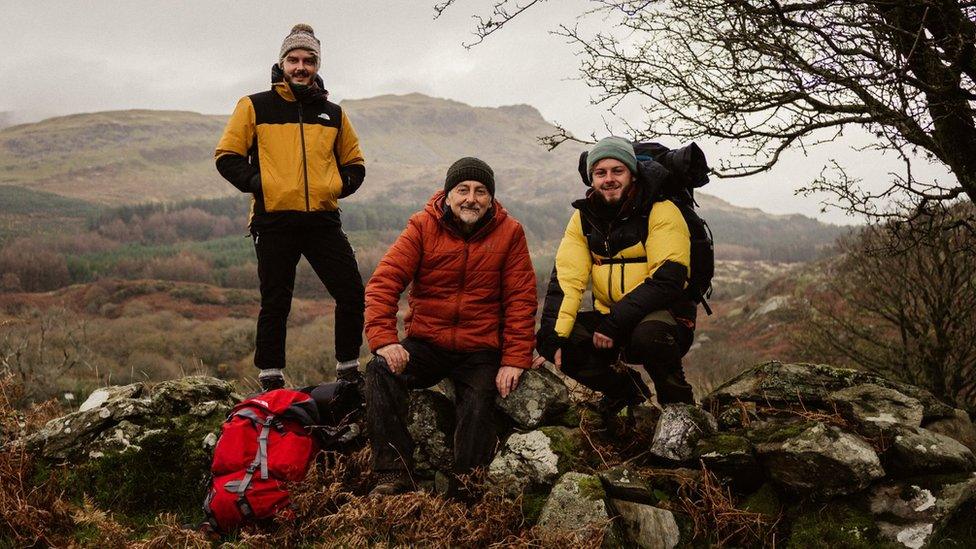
657 343
473 375
331 256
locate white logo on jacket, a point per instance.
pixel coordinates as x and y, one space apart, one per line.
325 116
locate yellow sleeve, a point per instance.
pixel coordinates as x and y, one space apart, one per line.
347 145
239 132
573 265
668 238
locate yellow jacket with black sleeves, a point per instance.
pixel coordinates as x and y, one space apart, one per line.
297 157
637 260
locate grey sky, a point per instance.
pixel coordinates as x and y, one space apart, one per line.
71 56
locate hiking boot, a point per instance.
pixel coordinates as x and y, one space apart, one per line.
609 409
391 483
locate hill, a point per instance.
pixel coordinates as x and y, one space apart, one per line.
140 156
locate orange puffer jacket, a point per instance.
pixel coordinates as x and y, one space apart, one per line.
467 294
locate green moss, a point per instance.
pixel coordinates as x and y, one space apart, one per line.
836 525
765 500
570 418
168 474
591 488
532 504
724 444
566 445
773 433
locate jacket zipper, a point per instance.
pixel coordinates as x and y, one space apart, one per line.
457 302
301 132
606 243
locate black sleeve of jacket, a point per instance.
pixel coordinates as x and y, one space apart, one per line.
657 292
241 173
547 342
352 178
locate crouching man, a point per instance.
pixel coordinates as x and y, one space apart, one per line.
635 249
471 319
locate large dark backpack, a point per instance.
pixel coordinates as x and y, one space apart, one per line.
674 174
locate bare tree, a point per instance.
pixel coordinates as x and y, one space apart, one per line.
908 315
774 75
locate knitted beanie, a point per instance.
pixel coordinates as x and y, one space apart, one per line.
617 148
470 168
301 37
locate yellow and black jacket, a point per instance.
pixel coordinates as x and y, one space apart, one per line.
637 259
297 157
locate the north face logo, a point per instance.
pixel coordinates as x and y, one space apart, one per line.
325 116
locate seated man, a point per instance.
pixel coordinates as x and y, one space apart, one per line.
471 319
635 247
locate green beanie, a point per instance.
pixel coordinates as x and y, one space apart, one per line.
617 148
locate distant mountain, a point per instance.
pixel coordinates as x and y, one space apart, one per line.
138 156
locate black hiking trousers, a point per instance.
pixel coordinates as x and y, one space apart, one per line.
658 343
331 256
387 404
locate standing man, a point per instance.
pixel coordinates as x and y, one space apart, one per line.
635 247
471 319
297 154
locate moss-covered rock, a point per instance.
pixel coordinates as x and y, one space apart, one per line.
536 458
766 500
836 525
731 458
541 397
775 382
577 501
821 460
139 451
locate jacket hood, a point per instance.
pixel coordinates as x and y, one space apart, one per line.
436 208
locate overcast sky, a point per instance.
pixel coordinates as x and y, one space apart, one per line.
62 57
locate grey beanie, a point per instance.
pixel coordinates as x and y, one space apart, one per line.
617 148
301 37
470 168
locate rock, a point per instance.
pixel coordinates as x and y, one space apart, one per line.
98 397
774 382
678 431
731 458
139 446
918 451
917 513
622 483
874 408
535 458
541 396
68 436
576 502
817 459
431 425
177 396
957 426
646 525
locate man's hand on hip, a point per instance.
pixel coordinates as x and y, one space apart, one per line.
507 379
395 355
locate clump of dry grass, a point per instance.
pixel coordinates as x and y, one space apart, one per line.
716 518
331 505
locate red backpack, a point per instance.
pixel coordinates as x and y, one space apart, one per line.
264 444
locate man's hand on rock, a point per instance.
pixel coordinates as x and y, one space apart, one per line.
539 360
507 379
395 355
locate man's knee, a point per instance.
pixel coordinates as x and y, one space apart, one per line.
654 339
376 368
